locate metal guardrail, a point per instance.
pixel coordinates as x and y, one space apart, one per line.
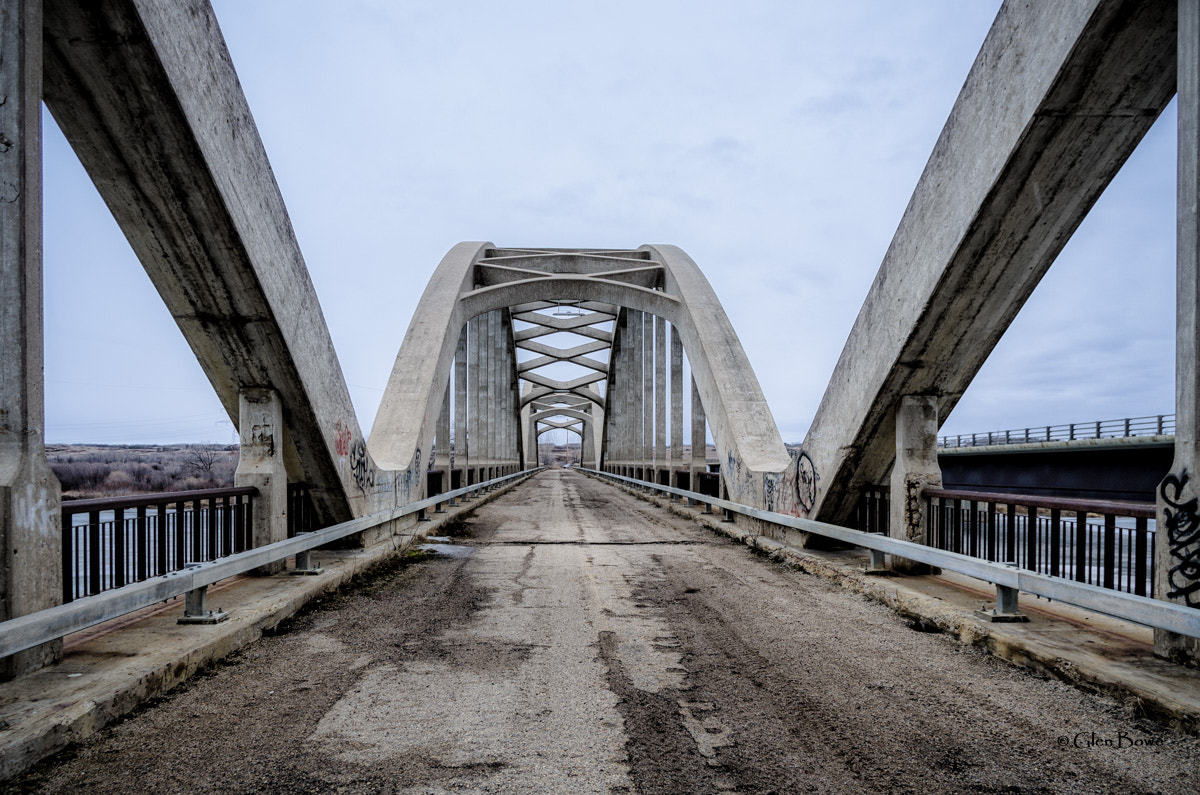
34 629
113 541
1157 425
1009 580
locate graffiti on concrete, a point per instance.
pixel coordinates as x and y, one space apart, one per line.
342 440
806 482
1183 540
361 466
769 481
32 509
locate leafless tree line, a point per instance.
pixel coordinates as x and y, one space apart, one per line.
103 471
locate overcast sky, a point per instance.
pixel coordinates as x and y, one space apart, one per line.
776 142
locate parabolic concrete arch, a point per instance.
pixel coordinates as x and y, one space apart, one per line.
618 307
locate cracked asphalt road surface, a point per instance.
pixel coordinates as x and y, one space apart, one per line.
576 639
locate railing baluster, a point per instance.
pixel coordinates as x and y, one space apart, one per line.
1110 539
68 548
93 584
1081 536
1139 554
160 536
119 561
142 570
1055 541
216 527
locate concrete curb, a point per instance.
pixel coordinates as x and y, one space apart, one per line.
110 670
1097 654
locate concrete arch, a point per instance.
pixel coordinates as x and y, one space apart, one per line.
748 442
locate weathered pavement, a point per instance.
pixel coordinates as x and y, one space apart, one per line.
580 640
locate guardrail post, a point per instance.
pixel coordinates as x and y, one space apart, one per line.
1006 609
915 470
260 464
195 608
877 562
304 564
31 573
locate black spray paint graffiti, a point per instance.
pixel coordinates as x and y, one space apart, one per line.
769 491
413 472
806 482
360 466
1183 540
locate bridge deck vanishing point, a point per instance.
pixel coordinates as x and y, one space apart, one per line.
574 638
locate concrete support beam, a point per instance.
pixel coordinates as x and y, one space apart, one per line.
1177 550
147 95
646 453
442 463
660 394
676 405
916 468
476 387
512 412
634 373
495 411
1058 97
461 443
30 496
698 436
262 437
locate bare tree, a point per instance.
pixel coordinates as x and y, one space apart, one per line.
201 460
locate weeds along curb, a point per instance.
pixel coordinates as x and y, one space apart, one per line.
930 613
45 712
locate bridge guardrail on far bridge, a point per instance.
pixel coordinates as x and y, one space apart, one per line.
1009 580
1156 425
34 629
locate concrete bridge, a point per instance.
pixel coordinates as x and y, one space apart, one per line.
622 347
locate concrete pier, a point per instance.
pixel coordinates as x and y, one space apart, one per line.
31 556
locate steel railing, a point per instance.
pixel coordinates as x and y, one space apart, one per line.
111 542
1008 579
1157 425
1104 543
34 629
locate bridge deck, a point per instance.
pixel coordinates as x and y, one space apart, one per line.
578 639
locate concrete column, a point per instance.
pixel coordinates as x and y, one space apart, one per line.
697 437
596 435
460 407
647 451
30 495
493 410
587 444
262 440
512 415
916 468
531 449
676 405
442 464
633 385
660 394
1177 555
476 396
614 427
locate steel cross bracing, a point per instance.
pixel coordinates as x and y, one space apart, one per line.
568 342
